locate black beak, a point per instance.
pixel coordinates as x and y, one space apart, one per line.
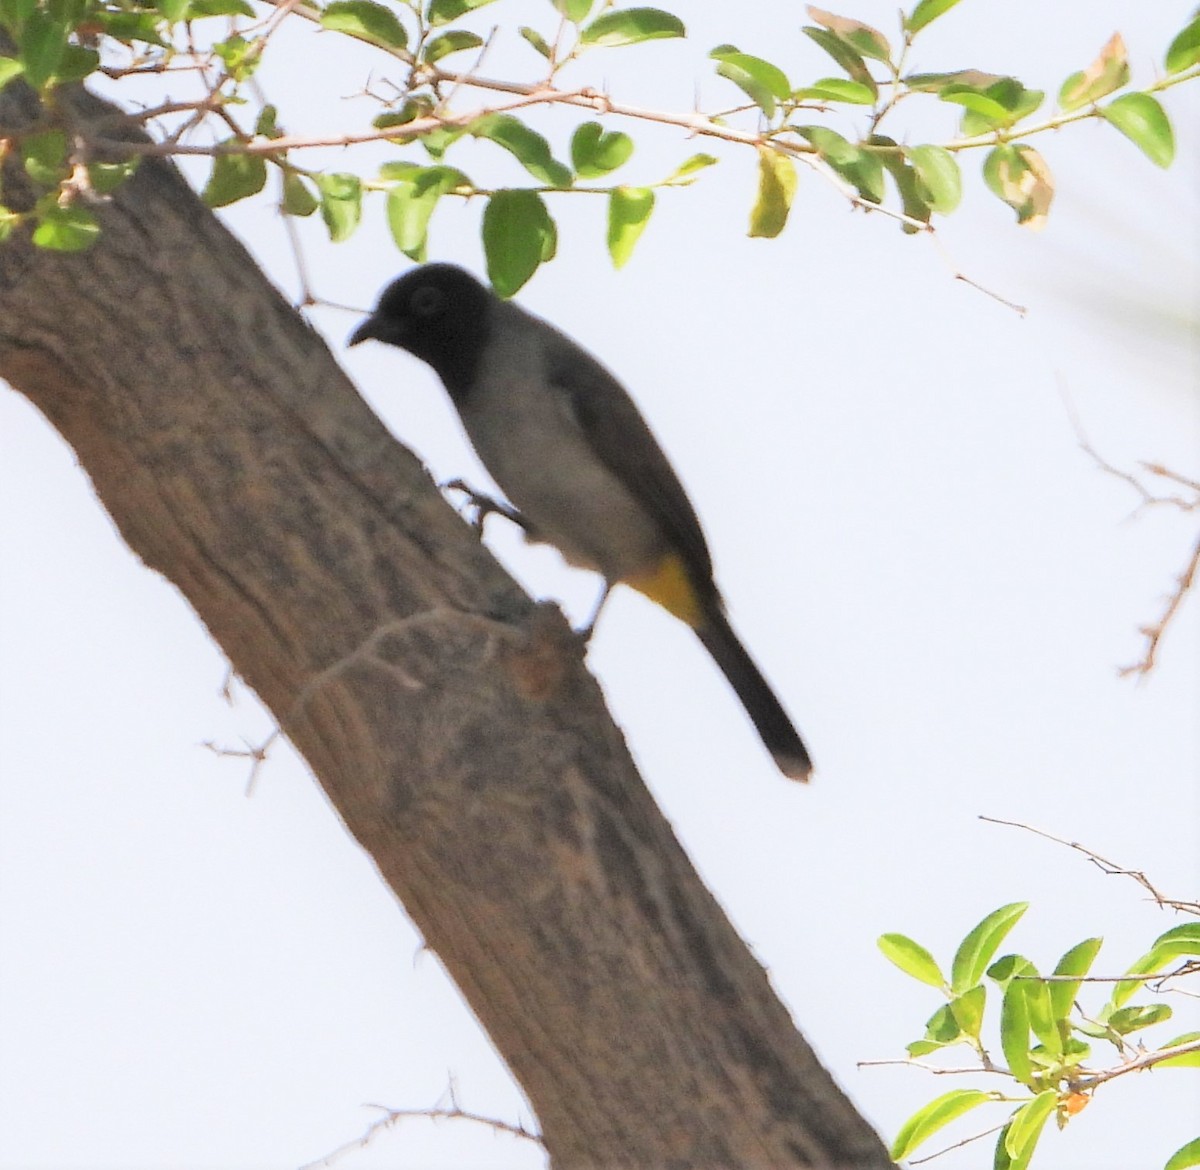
369 328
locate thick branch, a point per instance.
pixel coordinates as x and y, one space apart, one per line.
448 718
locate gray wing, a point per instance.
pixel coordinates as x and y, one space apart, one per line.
619 436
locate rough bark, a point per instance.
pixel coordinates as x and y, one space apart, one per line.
449 719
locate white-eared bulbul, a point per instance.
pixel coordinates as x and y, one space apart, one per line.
566 444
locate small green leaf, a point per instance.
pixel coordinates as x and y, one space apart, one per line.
1133 1019
366 21
939 176
1185 1060
241 57
527 146
444 11
595 153
437 142
536 39
298 200
1041 1014
1014 1032
629 211
518 236
629 26
925 13
105 178
66 229
912 958
76 64
1184 50
776 189
42 43
968 1009
201 8
341 203
1026 1126
837 89
1109 71
848 58
45 157
1185 1157
685 173
10 68
919 1048
763 82
1006 969
942 1027
1145 123
453 41
861 168
1077 961
234 176
912 195
934 1116
172 10
574 10
411 203
862 38
976 950
1173 944
1019 176
1000 104
936 82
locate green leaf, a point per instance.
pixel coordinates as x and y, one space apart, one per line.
861 168
240 56
172 10
912 958
1019 176
66 229
234 176
595 153
838 89
437 142
976 950
527 146
1026 1126
1005 970
10 68
1184 50
1133 1019
1185 1157
629 211
202 8
1187 1059
341 203
45 157
942 1027
939 176
411 203
1041 1014
105 178
913 198
1109 71
862 38
763 82
298 200
76 64
1000 104
444 11
518 236
967 1010
1077 961
1145 123
846 56
574 10
366 21
776 189
453 41
42 43
410 110
1014 1032
937 1114
685 173
1174 943
919 1048
536 39
925 13
936 82
629 26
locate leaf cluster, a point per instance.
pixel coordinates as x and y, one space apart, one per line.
1046 1037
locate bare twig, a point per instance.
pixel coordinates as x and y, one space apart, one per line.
958 1145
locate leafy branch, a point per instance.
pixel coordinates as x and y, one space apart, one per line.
65 41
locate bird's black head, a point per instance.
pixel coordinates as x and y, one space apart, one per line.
439 313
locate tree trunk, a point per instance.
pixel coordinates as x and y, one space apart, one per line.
448 718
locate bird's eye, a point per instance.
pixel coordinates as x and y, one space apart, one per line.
427 301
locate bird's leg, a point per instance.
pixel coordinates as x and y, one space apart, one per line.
586 632
486 506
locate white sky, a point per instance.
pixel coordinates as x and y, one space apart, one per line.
938 581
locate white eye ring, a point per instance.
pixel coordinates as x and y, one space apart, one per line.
427 301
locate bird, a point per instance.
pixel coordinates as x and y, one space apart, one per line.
568 447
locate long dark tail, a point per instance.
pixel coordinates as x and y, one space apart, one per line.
781 739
